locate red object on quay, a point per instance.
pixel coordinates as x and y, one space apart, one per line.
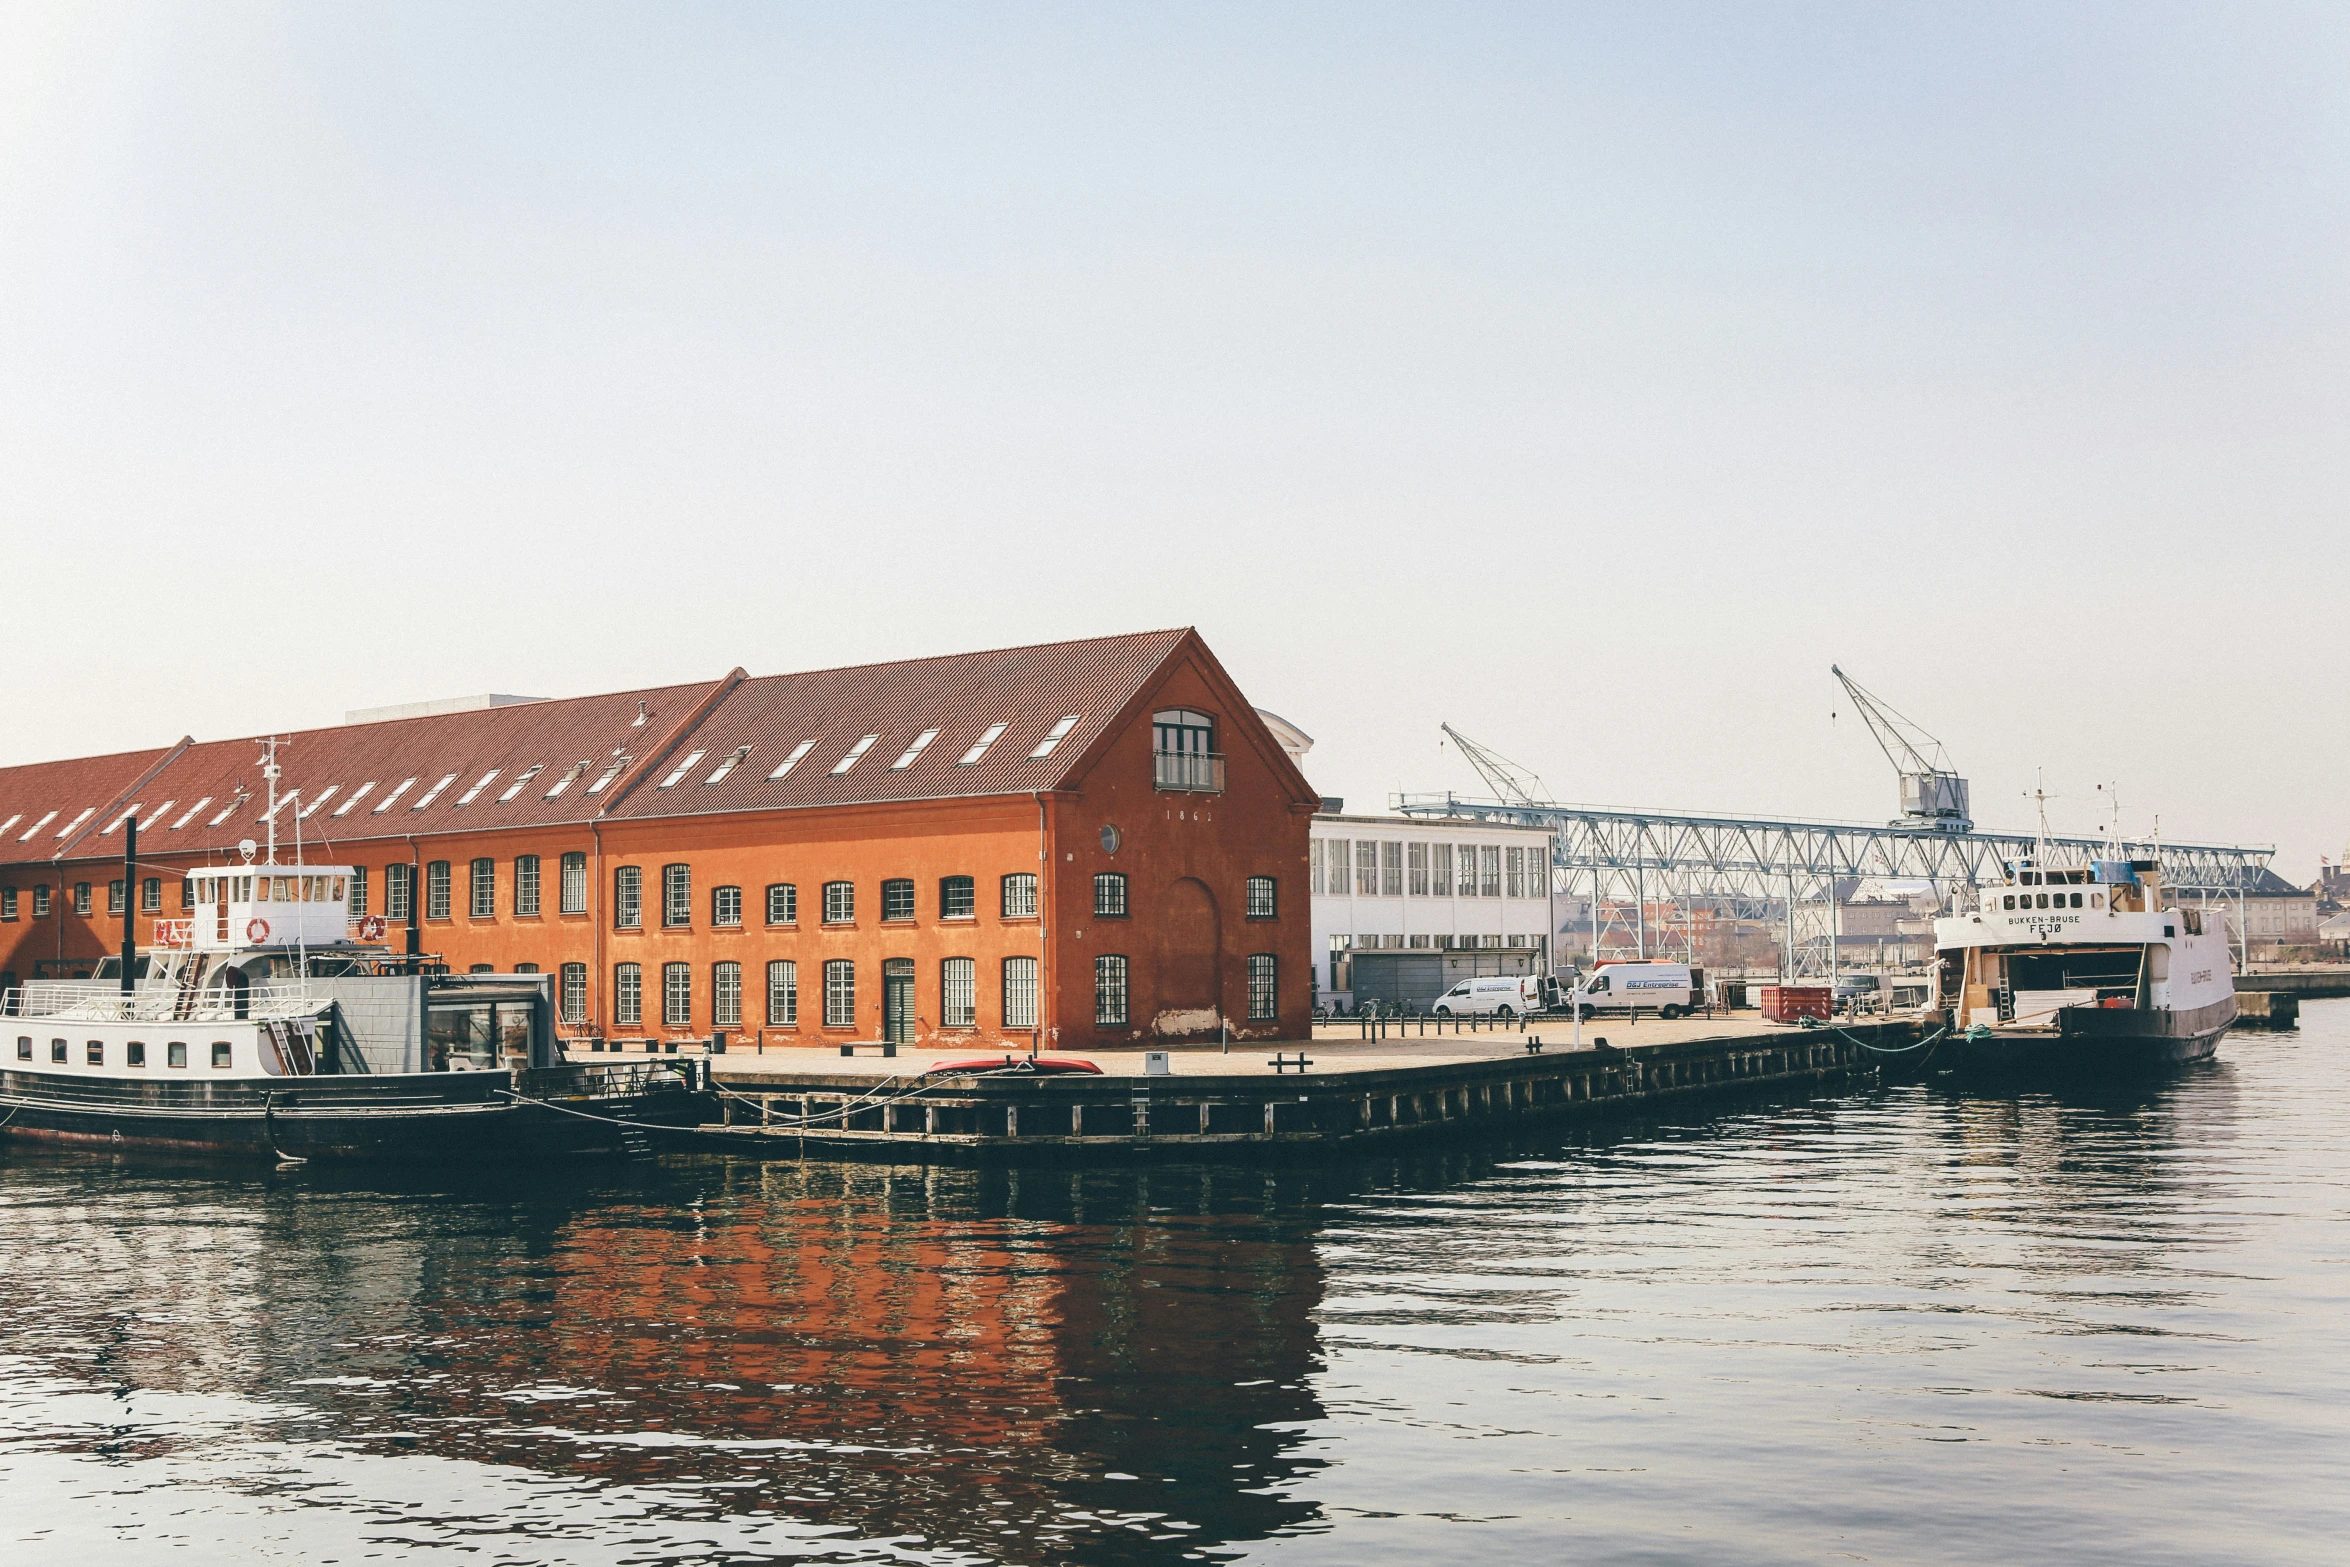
1041 1064
1789 1003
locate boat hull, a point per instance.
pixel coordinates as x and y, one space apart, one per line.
564 1113
2090 1039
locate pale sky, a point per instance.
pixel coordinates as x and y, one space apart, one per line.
1590 378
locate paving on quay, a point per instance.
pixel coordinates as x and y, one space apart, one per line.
1356 1092
1335 1048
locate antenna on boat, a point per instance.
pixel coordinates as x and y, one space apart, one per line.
269 771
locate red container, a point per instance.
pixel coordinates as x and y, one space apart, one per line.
1786 1003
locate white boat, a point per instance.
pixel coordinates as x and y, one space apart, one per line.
2087 966
269 1022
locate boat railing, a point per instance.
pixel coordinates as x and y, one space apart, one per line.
69 1001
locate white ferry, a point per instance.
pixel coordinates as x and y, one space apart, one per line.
268 1023
2086 966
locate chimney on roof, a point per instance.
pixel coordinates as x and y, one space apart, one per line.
641 714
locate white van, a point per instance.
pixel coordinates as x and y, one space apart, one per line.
1495 995
1670 988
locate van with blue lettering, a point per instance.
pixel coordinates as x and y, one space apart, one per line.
1667 989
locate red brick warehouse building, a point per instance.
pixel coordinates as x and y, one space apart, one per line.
1079 844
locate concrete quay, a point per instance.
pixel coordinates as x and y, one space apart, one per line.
1355 1095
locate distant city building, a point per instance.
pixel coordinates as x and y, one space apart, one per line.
1405 907
2276 914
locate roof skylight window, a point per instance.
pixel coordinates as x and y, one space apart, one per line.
311 806
856 755
191 816
229 809
729 765
124 817
474 793
354 797
610 773
994 733
397 790
10 824
36 827
683 767
920 745
434 792
1060 732
88 811
799 754
569 778
516 787
283 801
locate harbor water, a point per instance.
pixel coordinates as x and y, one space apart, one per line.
1902 1323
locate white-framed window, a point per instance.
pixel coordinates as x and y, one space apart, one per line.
474 793
1315 871
521 781
840 902
628 995
1262 904
1109 989
1440 869
1467 886
914 752
436 890
1514 871
1416 869
726 905
733 760
1019 896
574 890
856 755
677 895
1264 999
482 899
783 904
399 891
115 894
1391 870
358 892
677 995
1489 870
958 989
726 995
783 993
628 897
1341 866
798 755
434 792
1058 733
1019 992
980 746
840 994
1366 869
681 769
571 994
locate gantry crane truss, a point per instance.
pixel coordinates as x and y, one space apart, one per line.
1789 872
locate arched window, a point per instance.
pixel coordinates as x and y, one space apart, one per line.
1178 731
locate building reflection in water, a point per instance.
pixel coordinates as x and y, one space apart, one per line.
1004 1362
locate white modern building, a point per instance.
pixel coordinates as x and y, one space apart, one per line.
1404 907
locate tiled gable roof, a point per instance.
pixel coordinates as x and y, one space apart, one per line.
1030 690
500 767
45 806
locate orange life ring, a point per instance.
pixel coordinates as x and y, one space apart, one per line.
371 927
256 930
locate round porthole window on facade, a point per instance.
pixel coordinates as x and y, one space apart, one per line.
1110 840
